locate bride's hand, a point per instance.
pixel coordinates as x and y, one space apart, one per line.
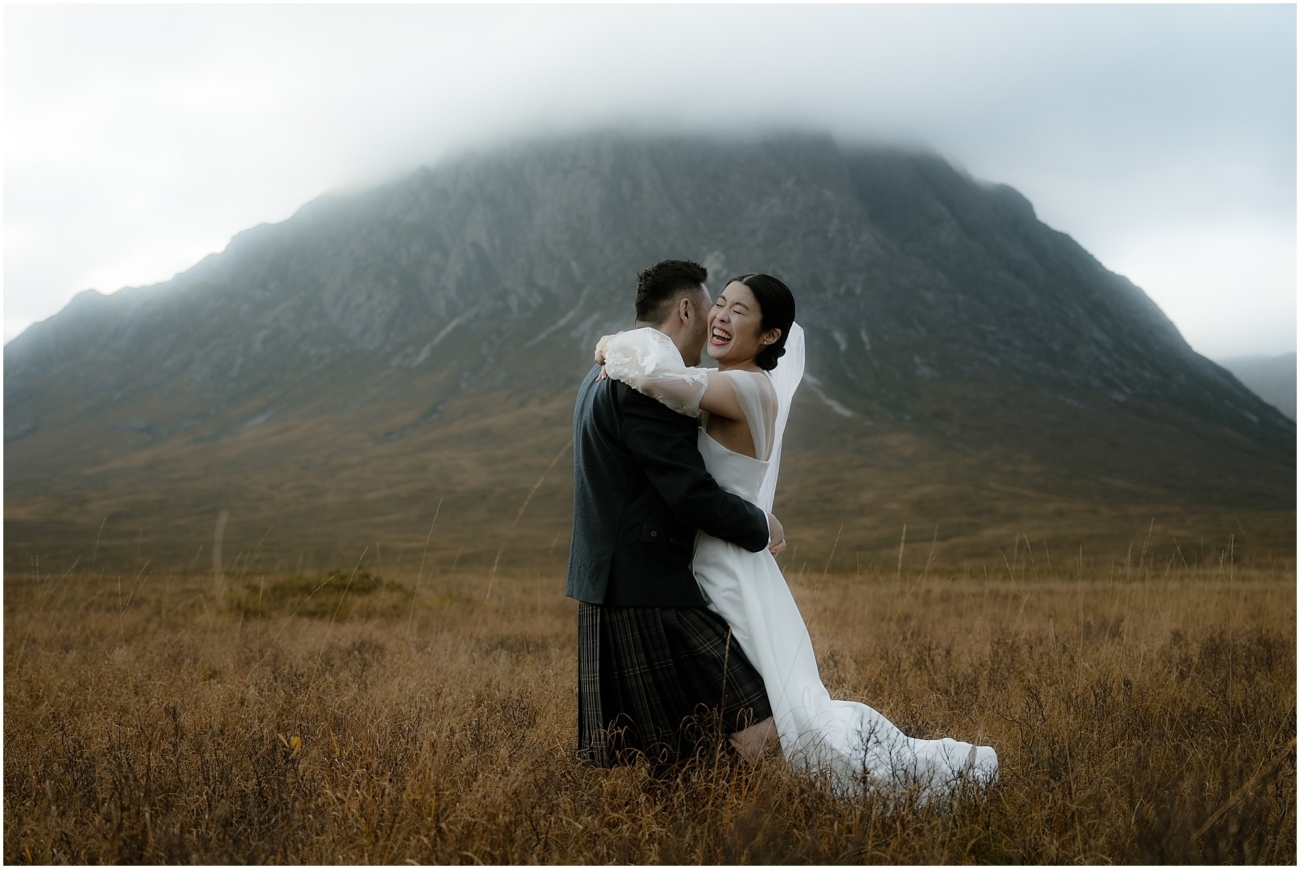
777 535
600 347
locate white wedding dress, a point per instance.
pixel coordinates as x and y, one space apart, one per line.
852 744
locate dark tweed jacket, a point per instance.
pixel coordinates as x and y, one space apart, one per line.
639 492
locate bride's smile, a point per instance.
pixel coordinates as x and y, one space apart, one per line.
736 333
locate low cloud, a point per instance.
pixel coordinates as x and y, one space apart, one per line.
141 138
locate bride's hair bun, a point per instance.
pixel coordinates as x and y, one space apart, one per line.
767 359
777 304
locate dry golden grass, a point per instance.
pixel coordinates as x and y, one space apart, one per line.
1142 713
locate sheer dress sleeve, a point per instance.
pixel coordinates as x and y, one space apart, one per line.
646 360
757 399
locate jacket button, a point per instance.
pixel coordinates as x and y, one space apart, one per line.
654 533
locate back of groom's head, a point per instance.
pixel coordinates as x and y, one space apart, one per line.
659 287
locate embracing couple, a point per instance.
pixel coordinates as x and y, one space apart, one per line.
685 622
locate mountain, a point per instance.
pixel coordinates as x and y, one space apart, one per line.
1272 378
336 380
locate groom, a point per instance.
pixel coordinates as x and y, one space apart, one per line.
651 656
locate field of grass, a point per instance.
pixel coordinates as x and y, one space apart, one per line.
1143 712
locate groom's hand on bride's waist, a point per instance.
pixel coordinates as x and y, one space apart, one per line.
776 535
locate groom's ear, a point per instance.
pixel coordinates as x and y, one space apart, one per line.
685 308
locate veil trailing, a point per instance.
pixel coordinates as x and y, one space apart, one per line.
785 377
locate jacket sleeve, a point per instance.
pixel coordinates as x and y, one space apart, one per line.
664 445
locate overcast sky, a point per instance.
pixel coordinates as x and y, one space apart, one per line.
1163 138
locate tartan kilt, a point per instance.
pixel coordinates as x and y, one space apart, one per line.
657 681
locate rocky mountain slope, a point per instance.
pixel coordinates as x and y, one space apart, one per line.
336 376
1272 378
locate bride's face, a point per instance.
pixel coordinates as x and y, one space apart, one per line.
736 327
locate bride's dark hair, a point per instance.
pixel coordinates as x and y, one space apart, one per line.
777 304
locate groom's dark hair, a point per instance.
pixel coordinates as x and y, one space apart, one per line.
659 287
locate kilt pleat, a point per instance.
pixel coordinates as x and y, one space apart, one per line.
653 681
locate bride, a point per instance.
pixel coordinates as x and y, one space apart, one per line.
743 407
